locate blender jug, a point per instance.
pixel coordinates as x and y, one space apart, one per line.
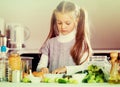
17 34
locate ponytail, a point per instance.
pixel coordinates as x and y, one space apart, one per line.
81 45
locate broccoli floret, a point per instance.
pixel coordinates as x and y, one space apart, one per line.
90 67
91 81
84 80
99 79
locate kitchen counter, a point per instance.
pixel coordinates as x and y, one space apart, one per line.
7 84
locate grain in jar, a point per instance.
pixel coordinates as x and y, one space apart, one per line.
14 67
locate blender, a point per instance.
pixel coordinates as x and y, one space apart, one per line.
17 34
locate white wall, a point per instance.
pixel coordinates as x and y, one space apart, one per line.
104 16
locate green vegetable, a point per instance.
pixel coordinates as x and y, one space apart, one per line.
99 79
62 80
56 79
94 75
46 80
26 80
72 81
50 80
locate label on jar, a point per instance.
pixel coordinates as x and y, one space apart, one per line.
16 75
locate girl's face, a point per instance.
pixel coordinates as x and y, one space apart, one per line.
65 23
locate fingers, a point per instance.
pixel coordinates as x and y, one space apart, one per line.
59 70
56 72
44 70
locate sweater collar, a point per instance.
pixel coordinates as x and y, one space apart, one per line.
67 38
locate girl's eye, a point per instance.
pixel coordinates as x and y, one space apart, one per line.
59 23
68 23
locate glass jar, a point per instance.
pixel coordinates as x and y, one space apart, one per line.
14 71
15 61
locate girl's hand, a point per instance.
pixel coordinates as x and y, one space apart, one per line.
59 70
44 70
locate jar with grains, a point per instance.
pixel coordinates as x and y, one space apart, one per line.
15 63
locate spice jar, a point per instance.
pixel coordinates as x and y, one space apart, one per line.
14 67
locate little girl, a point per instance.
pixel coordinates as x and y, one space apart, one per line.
67 47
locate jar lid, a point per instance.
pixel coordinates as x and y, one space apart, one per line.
3 48
14 54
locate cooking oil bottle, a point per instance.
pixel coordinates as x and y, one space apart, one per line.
115 66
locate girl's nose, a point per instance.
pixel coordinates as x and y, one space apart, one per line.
63 26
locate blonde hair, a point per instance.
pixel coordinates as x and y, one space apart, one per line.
82 39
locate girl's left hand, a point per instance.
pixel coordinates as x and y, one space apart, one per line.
59 70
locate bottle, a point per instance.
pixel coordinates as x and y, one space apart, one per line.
114 74
3 64
14 67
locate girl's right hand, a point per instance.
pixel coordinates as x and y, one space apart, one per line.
44 70
59 70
